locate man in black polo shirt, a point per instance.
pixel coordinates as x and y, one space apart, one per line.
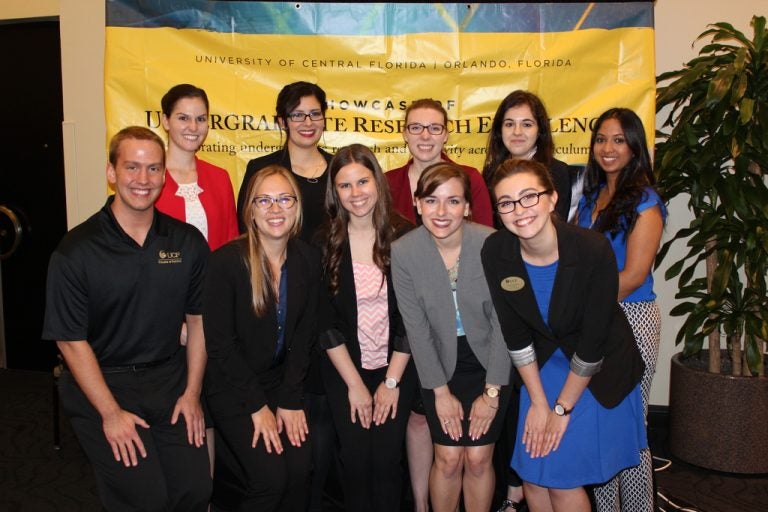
120 285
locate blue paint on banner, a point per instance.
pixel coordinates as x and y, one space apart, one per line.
310 18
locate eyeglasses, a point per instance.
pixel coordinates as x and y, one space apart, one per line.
266 202
527 201
433 129
300 117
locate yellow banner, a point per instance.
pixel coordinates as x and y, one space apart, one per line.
370 80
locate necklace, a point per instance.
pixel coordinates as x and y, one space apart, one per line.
453 274
316 172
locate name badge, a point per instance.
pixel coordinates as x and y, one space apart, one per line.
512 283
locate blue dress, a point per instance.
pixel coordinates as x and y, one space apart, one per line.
618 242
598 442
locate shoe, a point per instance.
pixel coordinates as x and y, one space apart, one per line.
519 506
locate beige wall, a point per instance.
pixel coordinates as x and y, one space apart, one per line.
678 22
20 9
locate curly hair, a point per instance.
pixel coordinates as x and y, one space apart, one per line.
620 215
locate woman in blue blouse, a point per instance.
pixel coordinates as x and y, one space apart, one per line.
621 202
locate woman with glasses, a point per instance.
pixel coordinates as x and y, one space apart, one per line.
554 287
621 202
426 133
260 305
195 191
367 373
520 129
454 337
300 112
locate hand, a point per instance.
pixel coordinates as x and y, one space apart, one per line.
555 429
481 415
295 423
360 404
534 428
188 406
384 399
450 414
264 424
120 431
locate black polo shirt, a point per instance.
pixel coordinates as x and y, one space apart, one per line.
128 301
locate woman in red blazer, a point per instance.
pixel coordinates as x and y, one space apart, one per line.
426 132
195 191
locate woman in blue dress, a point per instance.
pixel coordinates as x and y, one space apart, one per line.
620 201
554 287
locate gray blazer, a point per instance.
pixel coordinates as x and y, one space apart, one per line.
426 304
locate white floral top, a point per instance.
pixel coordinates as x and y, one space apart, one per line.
194 212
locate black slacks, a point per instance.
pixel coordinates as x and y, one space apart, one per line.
250 479
174 475
371 458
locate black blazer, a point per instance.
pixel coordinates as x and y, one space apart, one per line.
584 314
339 317
241 346
313 202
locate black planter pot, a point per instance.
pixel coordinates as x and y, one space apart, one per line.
716 421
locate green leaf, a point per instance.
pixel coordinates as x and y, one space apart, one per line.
682 309
746 108
719 86
674 269
754 355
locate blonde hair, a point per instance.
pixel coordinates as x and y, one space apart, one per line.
255 258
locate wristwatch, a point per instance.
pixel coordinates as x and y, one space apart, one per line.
491 392
560 409
391 383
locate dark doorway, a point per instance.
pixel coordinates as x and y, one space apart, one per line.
31 182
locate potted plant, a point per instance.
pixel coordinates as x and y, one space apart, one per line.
713 147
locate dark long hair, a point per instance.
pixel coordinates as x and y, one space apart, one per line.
620 215
386 222
497 152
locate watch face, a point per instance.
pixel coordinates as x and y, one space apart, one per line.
559 410
492 392
390 383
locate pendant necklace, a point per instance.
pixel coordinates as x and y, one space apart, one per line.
314 178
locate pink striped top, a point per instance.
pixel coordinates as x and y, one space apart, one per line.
372 315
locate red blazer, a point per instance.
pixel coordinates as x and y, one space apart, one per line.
402 200
218 201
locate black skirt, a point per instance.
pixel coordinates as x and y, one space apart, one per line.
466 384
